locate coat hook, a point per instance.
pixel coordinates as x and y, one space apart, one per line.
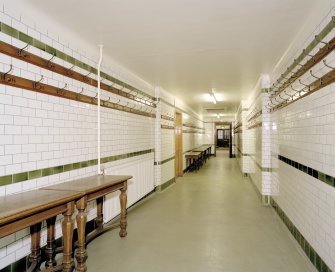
36 84
3 77
282 75
325 63
303 84
69 71
287 93
311 72
86 76
297 63
20 53
294 89
65 86
49 64
320 41
82 90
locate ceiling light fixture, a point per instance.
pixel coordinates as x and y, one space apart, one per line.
213 98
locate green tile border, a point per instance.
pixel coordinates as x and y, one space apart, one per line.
165 161
14 33
313 256
330 180
24 176
165 185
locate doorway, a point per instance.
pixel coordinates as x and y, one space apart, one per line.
222 136
179 144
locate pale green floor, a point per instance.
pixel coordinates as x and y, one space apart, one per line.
208 221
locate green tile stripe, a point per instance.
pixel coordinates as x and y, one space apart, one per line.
330 180
165 161
324 32
313 256
6 29
10 179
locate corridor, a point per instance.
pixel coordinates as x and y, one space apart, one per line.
211 220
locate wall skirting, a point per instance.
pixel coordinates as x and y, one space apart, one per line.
165 185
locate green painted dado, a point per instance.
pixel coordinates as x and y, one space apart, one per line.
14 33
19 177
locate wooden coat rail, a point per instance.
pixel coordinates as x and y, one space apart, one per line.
24 55
259 124
318 38
322 82
320 55
39 87
165 117
167 127
255 115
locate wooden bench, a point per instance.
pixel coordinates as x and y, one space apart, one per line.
30 209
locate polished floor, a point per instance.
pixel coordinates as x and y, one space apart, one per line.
208 221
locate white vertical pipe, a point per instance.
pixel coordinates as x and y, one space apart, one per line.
99 121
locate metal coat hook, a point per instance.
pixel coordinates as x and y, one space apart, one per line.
287 94
282 75
325 63
303 84
297 63
70 69
311 72
21 50
82 90
65 86
3 77
294 89
320 41
49 64
36 83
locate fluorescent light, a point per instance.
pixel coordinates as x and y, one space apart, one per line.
213 98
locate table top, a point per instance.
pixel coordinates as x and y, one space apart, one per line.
16 206
207 145
192 154
200 149
89 184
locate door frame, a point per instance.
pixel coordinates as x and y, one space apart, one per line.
230 135
178 144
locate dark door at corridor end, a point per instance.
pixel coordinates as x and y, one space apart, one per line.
223 137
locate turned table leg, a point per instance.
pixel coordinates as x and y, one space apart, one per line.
100 218
67 229
123 217
51 243
35 256
81 218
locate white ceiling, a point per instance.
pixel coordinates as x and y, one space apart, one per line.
189 46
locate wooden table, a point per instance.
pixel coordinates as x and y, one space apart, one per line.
94 188
192 160
30 209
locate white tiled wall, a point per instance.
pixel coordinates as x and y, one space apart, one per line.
40 131
304 132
